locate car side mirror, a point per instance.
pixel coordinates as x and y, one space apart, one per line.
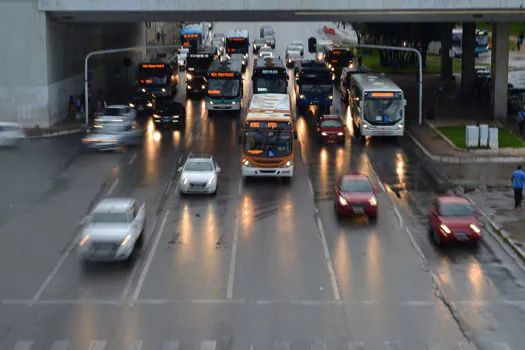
218 169
179 169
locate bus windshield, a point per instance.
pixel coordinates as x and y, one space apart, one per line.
268 144
383 110
315 83
199 63
339 58
237 45
153 76
223 87
270 85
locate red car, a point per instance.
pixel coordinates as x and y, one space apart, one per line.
330 128
355 195
452 218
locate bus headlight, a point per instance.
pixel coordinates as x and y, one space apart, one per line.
330 97
332 68
247 163
330 65
400 126
132 105
189 76
155 116
203 86
301 96
234 102
149 104
163 90
288 164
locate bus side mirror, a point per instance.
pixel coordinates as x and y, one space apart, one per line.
404 102
295 135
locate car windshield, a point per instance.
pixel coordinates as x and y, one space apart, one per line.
110 218
169 109
223 87
266 49
456 210
198 166
331 123
294 54
297 43
260 42
268 144
293 48
384 110
353 185
115 112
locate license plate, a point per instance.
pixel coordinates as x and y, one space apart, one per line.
332 137
358 210
140 108
460 236
196 90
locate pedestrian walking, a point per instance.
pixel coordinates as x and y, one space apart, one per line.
521 120
519 42
517 179
163 37
158 37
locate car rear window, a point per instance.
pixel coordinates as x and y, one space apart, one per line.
356 185
199 166
110 218
456 210
331 123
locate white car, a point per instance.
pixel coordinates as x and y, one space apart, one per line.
265 49
10 134
113 230
298 44
181 57
199 175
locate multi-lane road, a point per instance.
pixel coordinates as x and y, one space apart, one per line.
263 265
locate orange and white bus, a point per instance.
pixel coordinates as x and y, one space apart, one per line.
268 136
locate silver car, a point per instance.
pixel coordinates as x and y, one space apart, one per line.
270 40
113 230
265 49
199 175
117 128
181 57
299 44
10 134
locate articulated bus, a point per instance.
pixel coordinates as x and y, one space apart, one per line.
159 78
238 41
377 105
269 76
225 90
268 136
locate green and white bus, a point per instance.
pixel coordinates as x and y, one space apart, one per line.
225 86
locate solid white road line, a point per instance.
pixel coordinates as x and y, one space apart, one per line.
23 345
53 272
145 269
311 186
398 215
180 159
97 345
327 258
60 345
231 274
132 159
112 188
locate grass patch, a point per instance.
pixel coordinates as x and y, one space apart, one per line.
456 134
433 65
515 28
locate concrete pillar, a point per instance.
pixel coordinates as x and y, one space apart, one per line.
500 69
468 58
446 46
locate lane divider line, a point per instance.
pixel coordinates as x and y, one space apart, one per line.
149 259
132 159
311 186
398 215
112 188
231 273
328 259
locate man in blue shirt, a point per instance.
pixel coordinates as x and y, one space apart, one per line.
518 177
521 120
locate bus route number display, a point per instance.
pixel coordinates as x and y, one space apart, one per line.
222 74
237 39
147 65
269 125
191 36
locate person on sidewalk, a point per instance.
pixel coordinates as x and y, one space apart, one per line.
517 179
521 120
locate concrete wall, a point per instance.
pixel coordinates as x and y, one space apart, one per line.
217 5
42 61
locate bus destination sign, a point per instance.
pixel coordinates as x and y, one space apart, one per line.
265 125
191 36
150 65
270 71
222 74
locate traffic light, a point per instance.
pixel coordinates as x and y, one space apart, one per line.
312 45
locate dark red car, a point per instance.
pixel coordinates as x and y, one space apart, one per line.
330 128
355 195
452 218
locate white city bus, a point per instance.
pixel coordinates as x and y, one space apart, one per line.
377 105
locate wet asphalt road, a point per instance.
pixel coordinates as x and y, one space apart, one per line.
263 265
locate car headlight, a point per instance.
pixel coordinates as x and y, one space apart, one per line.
475 228
203 86
163 90
289 61
189 76
329 65
176 117
343 201
301 96
156 116
184 180
125 241
84 240
212 180
324 134
340 133
330 97
332 69
149 104
445 229
132 105
373 201
243 63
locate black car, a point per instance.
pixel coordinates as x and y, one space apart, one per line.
142 100
170 114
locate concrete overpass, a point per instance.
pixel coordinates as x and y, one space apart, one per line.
45 41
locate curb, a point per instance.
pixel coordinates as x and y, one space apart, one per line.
56 134
433 127
461 160
500 234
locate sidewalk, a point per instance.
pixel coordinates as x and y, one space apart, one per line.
66 127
